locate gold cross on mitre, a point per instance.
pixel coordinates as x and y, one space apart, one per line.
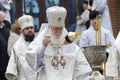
59 19
27 20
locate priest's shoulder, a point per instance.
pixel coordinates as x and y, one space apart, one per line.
71 46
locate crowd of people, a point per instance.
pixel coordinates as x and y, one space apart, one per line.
27 56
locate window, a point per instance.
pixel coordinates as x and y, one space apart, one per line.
31 7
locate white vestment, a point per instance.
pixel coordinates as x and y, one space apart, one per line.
88 37
102 7
18 68
84 17
37 47
43 26
76 67
113 62
76 63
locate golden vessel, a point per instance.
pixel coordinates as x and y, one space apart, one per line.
71 36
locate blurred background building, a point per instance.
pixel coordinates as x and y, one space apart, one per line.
37 9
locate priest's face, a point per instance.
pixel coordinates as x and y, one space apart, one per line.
57 31
85 6
56 34
29 33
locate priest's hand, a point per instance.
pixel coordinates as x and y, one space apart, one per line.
46 41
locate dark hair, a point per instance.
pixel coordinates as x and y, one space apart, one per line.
86 2
7 23
93 14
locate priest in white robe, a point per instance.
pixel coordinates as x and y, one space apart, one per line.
49 53
102 7
18 68
113 62
88 37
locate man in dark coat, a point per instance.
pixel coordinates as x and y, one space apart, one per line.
4 35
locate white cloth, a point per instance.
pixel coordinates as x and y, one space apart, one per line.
102 7
12 39
43 26
5 7
84 17
76 63
113 62
88 37
56 16
76 68
18 68
35 49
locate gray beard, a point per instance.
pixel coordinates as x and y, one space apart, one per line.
56 39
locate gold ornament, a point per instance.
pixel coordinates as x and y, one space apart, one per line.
71 36
62 62
55 62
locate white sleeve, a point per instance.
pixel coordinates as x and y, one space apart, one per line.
99 5
85 16
83 41
109 40
112 63
34 50
33 55
82 68
11 72
5 5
